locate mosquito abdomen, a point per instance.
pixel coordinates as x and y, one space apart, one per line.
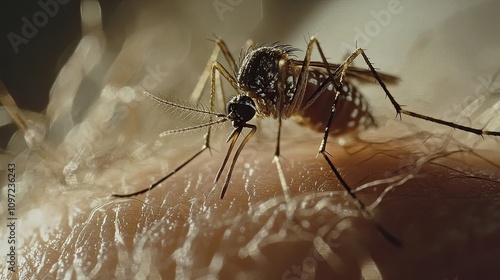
353 112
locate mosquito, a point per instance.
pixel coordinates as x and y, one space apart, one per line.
271 82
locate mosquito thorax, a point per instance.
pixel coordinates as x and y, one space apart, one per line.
240 109
259 76
258 73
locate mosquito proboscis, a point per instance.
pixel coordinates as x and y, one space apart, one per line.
271 82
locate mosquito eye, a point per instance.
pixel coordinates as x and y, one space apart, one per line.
241 109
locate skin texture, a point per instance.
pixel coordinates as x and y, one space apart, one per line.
446 216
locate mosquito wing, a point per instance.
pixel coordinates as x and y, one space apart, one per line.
360 74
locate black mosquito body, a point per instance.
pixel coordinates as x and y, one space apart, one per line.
271 82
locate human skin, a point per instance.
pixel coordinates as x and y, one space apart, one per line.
446 217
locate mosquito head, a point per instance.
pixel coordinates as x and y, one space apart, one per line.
259 72
240 109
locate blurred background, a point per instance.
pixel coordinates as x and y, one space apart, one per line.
444 51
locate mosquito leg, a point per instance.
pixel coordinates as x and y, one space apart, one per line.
322 150
20 120
198 89
227 54
154 185
232 65
277 151
297 100
215 67
398 107
321 89
220 45
300 88
178 168
216 70
276 160
361 206
318 92
221 100
11 107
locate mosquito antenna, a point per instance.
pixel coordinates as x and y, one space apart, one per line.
190 128
157 183
184 107
236 155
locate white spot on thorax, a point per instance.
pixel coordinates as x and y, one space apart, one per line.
354 113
